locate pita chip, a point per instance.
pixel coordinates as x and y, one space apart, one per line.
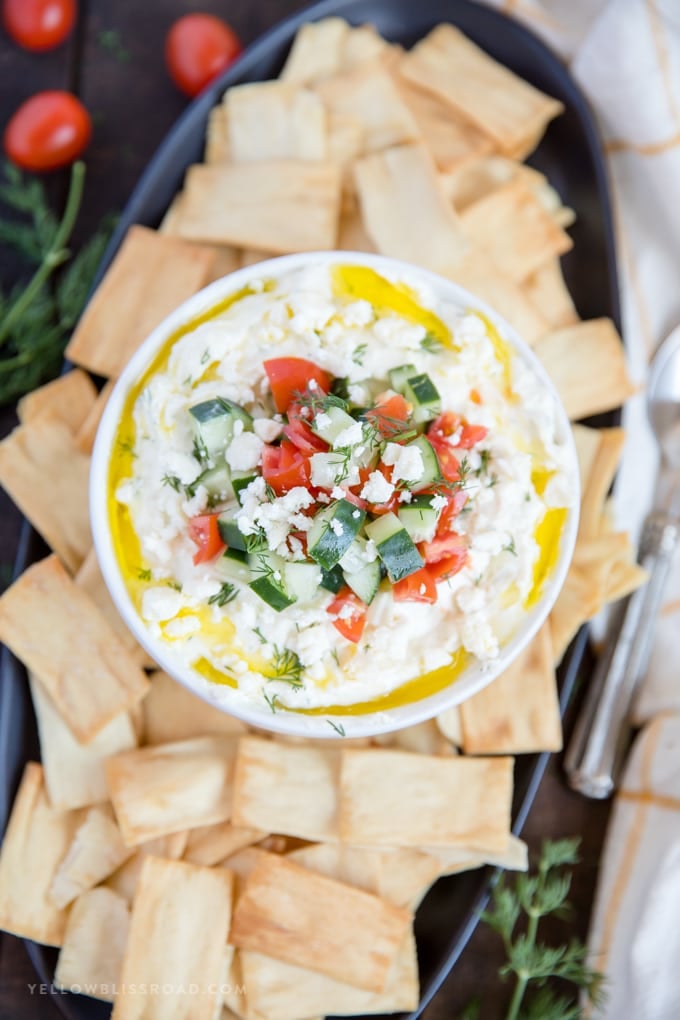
96 934
96 852
69 399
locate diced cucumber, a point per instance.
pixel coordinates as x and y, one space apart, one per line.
213 422
268 579
365 582
422 393
431 471
229 530
240 480
301 580
233 566
355 558
330 423
332 580
395 546
332 532
217 482
398 376
420 518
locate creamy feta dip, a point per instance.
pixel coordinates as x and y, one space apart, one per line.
493 505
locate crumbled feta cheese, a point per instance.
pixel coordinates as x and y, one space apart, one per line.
350 436
406 460
244 452
267 429
356 514
478 637
159 604
338 492
330 468
377 489
405 496
358 313
238 428
438 502
336 527
183 626
322 421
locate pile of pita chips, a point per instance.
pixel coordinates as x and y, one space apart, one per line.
161 844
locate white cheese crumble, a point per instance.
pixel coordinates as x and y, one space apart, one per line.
406 460
244 452
377 489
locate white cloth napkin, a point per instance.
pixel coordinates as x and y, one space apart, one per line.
625 54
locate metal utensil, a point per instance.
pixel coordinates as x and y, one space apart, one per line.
602 733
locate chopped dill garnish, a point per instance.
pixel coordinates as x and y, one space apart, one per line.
484 457
205 357
359 354
126 446
286 666
431 344
334 654
338 727
200 450
173 481
263 640
510 547
175 585
227 593
271 701
144 574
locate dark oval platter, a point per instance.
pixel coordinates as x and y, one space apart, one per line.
571 158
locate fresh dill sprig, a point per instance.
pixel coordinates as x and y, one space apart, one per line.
431 344
263 640
484 461
338 727
37 315
126 446
175 585
317 401
205 357
144 574
227 593
286 666
515 914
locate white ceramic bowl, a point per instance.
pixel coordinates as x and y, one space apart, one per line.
475 676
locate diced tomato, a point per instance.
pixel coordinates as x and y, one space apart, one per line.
444 426
301 436
448 461
350 613
352 497
284 467
288 376
390 414
419 586
470 436
441 546
455 503
448 566
204 532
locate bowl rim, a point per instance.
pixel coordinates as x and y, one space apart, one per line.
476 676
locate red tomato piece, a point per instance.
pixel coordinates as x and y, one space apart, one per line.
443 546
390 414
444 426
471 435
284 467
204 532
455 503
301 436
447 566
39 25
350 613
448 461
198 48
420 586
288 376
48 131
353 498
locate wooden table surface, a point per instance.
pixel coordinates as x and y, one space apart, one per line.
133 104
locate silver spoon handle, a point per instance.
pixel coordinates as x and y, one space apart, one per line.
600 739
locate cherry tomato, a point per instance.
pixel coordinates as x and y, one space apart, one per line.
48 131
448 565
198 47
448 462
288 376
471 435
38 25
455 503
284 467
420 586
350 614
444 426
443 546
204 532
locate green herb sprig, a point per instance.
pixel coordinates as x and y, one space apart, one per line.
226 594
37 316
286 666
515 914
